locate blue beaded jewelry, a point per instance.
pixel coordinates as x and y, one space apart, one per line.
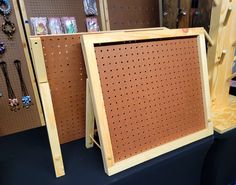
26 99
2 48
6 4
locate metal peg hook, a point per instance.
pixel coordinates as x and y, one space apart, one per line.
182 12
165 13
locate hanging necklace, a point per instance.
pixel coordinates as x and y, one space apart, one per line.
7 26
13 102
26 99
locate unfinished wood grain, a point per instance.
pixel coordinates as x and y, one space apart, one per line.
225 119
220 59
89 118
52 129
142 35
38 60
204 77
98 103
41 75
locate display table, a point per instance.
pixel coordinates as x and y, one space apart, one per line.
25 158
220 164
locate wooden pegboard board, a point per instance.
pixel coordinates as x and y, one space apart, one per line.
152 93
12 122
133 14
55 8
150 96
67 79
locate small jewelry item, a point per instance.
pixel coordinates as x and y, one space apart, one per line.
2 48
13 102
26 99
8 27
7 9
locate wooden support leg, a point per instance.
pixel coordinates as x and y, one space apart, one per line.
41 74
52 129
89 118
210 41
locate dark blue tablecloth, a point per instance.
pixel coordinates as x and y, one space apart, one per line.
220 164
25 159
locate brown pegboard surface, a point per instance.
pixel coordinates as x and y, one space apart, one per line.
133 14
67 79
12 122
152 93
59 8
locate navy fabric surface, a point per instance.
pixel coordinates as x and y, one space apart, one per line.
220 164
25 159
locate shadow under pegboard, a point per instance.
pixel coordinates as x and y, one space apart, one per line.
23 119
58 8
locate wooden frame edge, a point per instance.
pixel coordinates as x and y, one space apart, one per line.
40 69
141 34
25 21
222 131
38 59
155 152
204 77
89 131
98 103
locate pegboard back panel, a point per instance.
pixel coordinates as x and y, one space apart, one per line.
12 122
133 14
67 79
152 93
58 8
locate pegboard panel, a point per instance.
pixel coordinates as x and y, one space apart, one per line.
58 8
152 93
12 122
67 79
129 14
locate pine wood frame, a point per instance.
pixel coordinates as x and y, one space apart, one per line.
88 41
44 89
220 61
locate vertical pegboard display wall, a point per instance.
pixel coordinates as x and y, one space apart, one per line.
152 93
129 14
12 122
67 79
58 8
